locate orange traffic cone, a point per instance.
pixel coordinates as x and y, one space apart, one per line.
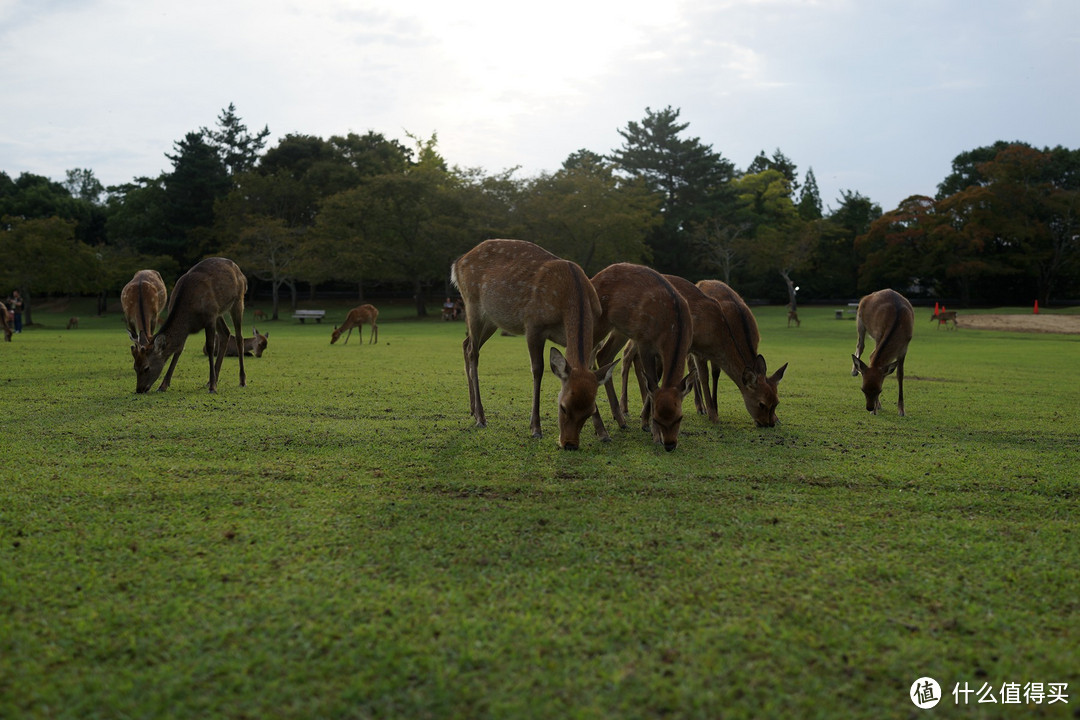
1036 307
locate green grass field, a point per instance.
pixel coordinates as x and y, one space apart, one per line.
337 540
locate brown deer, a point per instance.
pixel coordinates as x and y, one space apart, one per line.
253 346
736 354
200 299
640 305
793 317
519 287
5 321
358 316
944 317
259 314
143 299
889 318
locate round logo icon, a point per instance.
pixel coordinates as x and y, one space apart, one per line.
925 693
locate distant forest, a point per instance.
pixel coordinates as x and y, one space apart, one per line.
371 215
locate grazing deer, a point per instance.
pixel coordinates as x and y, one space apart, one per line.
736 354
200 299
259 314
143 299
640 305
5 321
73 323
793 316
943 317
254 345
889 318
519 287
358 316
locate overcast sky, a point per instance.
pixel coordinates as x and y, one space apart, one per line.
876 96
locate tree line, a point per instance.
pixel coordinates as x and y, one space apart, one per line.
367 211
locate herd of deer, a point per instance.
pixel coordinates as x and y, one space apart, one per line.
664 322
661 323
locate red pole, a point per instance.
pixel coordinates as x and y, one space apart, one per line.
1036 307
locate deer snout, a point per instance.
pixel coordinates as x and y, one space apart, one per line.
669 446
570 446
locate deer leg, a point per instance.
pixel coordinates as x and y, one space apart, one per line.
859 345
605 355
168 374
535 341
217 349
237 315
700 401
900 384
349 335
471 350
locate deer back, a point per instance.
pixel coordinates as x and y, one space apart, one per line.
143 299
521 288
888 318
641 304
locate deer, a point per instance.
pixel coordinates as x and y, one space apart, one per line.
518 287
253 346
358 316
734 350
640 305
944 317
73 323
793 317
201 297
889 318
259 314
5 321
143 299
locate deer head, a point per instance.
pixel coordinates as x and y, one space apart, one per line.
667 413
759 392
149 361
577 396
872 379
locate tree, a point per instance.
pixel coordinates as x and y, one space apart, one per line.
779 162
198 179
84 186
689 175
585 213
238 149
892 250
42 255
810 198
834 267
269 250
779 240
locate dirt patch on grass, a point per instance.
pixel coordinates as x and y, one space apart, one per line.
1043 323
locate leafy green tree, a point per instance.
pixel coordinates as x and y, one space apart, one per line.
892 250
236 146
269 249
780 241
809 204
38 197
84 186
834 267
42 255
585 213
779 162
690 177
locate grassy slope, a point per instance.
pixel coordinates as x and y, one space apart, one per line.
338 540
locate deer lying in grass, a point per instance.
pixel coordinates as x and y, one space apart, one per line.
253 346
640 305
734 350
200 299
889 318
143 299
944 317
358 316
523 289
5 321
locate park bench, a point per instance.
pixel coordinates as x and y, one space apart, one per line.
316 315
852 308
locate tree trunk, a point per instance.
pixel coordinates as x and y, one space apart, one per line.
418 295
790 290
360 291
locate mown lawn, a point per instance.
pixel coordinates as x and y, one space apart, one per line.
338 540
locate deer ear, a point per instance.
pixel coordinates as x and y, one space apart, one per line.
759 366
860 366
135 352
688 382
604 374
778 375
749 378
892 367
558 364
